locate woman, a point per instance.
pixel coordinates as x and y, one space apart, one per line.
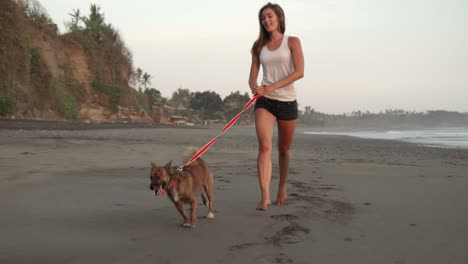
283 63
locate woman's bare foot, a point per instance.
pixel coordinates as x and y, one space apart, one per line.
263 205
281 198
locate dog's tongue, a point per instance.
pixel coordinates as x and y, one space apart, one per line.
159 191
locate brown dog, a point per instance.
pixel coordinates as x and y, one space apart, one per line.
184 186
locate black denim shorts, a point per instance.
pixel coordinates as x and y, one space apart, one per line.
281 110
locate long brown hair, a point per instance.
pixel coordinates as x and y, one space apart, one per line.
264 36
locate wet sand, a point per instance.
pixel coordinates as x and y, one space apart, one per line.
80 195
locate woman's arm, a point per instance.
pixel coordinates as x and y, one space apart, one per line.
298 59
254 69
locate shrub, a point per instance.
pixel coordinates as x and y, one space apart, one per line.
36 60
115 95
113 92
7 105
98 86
66 102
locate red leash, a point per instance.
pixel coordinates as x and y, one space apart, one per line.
212 141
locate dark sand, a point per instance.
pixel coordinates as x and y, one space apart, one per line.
80 195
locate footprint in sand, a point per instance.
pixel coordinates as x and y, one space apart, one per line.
283 258
242 246
284 217
291 234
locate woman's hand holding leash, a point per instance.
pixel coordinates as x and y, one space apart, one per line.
263 89
253 88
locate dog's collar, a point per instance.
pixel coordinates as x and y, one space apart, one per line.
174 183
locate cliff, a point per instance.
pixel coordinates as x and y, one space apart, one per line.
82 75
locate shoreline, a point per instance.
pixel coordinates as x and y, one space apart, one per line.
453 137
6 123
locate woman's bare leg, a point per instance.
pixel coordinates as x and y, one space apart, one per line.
265 124
286 130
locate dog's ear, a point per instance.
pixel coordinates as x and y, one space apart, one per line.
153 164
168 165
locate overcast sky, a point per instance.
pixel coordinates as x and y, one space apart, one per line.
359 54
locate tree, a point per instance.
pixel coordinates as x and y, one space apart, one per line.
181 97
208 104
76 18
34 10
310 116
95 25
136 78
145 80
234 103
154 97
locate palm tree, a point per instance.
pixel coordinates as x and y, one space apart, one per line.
146 80
95 23
137 78
73 25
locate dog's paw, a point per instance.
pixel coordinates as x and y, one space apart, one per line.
210 216
186 225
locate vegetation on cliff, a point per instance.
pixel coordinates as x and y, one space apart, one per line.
85 74
50 76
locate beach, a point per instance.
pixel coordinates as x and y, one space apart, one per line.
81 195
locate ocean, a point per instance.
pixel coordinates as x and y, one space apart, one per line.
441 137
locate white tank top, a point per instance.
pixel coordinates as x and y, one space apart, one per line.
277 65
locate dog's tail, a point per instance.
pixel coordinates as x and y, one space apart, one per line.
189 153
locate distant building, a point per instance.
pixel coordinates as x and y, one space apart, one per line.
179 120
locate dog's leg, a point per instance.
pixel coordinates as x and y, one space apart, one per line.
203 196
180 208
208 187
193 212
